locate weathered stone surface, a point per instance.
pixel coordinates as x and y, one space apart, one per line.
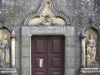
18 62
77 66
71 63
18 52
78 52
70 31
70 52
25 71
25 31
18 65
77 63
17 30
77 40
70 71
71 41
25 40
25 51
82 14
25 62
18 46
18 72
80 8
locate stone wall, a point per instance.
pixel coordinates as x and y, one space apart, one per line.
81 13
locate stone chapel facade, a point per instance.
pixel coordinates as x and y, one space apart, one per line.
49 37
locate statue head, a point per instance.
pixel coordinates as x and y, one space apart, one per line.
4 36
90 36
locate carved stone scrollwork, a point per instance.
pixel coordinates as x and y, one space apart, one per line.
90 70
7 70
7 51
47 15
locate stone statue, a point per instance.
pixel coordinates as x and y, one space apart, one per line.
5 49
91 49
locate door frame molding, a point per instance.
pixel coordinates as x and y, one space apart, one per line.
28 31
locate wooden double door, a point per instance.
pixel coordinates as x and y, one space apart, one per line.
47 55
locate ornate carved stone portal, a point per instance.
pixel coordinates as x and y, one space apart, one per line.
47 15
90 52
7 51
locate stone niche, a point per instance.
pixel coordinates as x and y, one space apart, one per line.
7 51
90 52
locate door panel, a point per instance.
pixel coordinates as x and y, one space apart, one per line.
56 63
39 73
40 45
56 46
47 55
56 73
56 53
38 55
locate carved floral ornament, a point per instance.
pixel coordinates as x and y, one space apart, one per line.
47 15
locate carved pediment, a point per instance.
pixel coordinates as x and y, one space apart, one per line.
47 15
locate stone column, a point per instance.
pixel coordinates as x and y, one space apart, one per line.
83 47
99 48
13 49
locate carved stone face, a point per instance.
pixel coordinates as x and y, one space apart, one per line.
90 36
47 17
4 36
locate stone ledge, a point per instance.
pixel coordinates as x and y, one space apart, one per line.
90 70
7 70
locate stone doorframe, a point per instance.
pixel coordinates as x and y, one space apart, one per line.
67 31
